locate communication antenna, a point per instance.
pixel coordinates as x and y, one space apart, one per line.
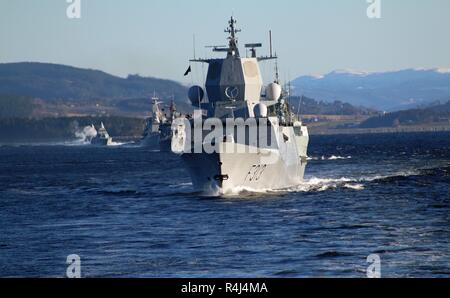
271 56
193 44
289 91
277 78
299 108
270 43
291 113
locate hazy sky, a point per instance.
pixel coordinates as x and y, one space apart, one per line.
154 37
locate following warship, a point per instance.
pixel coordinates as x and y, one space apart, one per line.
240 138
158 128
102 138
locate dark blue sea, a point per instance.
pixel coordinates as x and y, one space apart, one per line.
131 212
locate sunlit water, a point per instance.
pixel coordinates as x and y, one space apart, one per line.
128 211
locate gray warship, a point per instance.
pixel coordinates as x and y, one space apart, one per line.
102 138
235 94
158 128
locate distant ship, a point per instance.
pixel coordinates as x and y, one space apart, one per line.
234 88
102 138
158 131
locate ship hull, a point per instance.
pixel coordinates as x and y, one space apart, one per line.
101 141
165 137
160 140
151 141
228 172
276 161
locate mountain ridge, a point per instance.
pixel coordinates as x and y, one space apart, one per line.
51 82
66 89
391 90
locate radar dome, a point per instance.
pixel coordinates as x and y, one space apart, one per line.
260 110
273 91
196 95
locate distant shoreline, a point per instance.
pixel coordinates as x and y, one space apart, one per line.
328 132
379 130
63 129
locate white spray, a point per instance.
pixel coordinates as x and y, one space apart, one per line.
86 134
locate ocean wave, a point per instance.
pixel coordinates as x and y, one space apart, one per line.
309 185
320 184
181 184
46 144
316 184
72 143
119 143
242 190
332 157
333 254
78 142
120 192
354 186
354 183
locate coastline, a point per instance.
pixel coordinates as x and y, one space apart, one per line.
315 130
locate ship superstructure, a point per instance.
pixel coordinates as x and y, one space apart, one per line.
240 137
157 132
102 138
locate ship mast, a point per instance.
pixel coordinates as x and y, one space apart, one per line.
232 46
232 49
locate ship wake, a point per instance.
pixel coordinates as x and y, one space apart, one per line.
321 184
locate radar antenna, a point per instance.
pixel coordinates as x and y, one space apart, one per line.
277 76
232 48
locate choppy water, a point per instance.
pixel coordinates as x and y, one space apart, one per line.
128 211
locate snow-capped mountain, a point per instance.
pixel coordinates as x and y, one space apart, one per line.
394 90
